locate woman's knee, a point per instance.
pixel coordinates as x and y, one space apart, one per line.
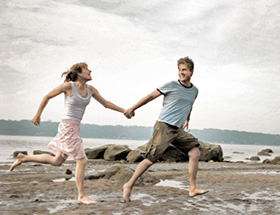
82 161
58 162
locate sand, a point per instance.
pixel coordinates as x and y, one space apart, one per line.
235 188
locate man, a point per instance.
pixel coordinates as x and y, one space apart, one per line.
179 97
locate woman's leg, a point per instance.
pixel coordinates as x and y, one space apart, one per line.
42 158
80 176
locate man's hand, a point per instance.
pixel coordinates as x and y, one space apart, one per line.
129 113
186 124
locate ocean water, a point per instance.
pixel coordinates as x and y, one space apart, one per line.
231 152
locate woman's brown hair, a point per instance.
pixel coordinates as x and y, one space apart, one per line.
72 74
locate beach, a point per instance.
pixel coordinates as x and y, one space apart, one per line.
234 188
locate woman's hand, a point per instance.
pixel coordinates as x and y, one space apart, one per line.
36 120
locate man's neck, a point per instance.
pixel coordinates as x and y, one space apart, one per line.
186 83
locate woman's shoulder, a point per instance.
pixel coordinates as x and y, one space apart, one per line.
66 85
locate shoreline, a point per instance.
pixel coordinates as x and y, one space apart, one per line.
234 188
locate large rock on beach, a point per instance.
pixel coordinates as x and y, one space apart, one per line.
38 152
122 174
137 155
275 161
96 153
254 158
116 152
265 152
172 154
210 152
15 154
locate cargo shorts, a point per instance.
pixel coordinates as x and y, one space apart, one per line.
165 135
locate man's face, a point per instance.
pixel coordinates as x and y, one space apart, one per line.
184 73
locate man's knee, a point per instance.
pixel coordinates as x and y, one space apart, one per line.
148 162
194 153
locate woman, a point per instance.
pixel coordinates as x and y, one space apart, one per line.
67 141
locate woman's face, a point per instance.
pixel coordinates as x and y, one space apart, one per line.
85 74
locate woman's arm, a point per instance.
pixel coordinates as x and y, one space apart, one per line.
63 88
104 102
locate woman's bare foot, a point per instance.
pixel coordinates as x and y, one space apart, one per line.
195 191
86 200
18 161
126 193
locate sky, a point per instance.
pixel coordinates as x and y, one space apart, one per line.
132 48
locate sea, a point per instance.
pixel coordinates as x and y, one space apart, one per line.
231 152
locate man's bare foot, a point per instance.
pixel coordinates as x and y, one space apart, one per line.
18 161
126 193
196 191
86 200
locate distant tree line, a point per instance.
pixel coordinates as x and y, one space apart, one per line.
48 128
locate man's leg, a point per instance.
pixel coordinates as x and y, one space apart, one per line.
80 176
42 158
194 155
127 187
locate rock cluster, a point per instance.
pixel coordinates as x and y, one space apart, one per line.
113 152
119 152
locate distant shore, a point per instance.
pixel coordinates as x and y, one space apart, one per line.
235 188
49 128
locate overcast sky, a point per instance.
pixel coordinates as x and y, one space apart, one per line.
132 48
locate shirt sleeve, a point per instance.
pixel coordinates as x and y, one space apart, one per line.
164 89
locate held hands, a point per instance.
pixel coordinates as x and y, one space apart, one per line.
36 120
129 113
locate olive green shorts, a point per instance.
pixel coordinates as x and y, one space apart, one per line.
164 135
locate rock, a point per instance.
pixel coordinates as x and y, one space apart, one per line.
137 155
172 154
15 154
276 160
96 153
68 172
38 152
265 152
116 152
121 174
91 177
238 152
267 161
227 157
210 152
254 158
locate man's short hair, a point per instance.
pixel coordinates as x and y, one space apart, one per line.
187 61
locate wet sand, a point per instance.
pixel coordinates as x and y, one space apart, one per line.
234 188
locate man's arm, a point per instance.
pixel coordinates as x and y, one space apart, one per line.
150 97
186 124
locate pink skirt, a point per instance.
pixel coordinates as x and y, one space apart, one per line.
68 141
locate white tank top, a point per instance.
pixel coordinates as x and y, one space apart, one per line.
75 104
